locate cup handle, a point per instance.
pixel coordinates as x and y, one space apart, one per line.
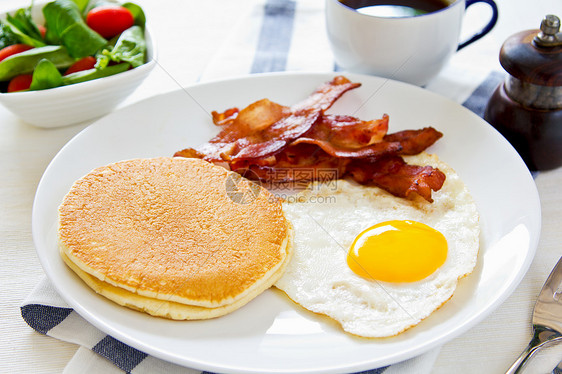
486 28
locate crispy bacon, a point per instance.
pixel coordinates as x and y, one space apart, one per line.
394 175
274 138
189 153
349 132
224 118
275 144
303 162
349 137
243 139
326 95
376 150
414 141
258 116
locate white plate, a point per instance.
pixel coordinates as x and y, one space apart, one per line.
271 334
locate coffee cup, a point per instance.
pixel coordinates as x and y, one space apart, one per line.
406 40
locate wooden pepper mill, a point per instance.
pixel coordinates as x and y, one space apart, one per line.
527 107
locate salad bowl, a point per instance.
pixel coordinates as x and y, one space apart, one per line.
78 102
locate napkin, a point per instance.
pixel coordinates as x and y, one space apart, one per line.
276 35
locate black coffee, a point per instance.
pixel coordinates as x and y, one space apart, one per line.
396 8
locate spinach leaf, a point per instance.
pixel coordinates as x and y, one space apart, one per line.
7 37
137 12
23 26
45 75
97 3
87 75
25 62
130 47
82 4
65 26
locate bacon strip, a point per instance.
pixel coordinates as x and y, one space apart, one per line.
344 136
376 150
304 162
394 175
414 141
349 137
326 95
225 118
272 143
349 132
240 141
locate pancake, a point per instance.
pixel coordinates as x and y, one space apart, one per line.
179 238
164 308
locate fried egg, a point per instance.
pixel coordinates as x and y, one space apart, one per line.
376 263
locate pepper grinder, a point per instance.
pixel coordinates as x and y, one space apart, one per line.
527 107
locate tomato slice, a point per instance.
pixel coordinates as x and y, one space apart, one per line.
13 49
20 82
85 63
110 20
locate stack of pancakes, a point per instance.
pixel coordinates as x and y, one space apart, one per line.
173 237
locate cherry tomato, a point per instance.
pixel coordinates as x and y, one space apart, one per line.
13 49
109 20
42 30
83 64
20 82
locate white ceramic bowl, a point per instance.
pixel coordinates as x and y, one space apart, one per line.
67 105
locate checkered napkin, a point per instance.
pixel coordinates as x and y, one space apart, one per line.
277 35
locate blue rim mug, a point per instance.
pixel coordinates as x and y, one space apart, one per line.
412 49
487 28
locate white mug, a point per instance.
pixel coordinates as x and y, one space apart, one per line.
412 49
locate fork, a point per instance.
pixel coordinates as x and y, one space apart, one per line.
547 318
558 369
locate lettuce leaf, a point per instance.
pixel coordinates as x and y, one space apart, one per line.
25 29
130 47
7 36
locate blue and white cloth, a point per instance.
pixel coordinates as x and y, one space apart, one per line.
277 35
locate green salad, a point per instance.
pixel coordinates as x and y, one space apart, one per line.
81 40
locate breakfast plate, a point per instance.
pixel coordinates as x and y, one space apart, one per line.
271 333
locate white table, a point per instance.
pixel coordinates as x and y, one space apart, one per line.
188 32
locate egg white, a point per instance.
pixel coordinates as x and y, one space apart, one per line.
327 218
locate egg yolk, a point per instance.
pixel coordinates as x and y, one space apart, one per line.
397 251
